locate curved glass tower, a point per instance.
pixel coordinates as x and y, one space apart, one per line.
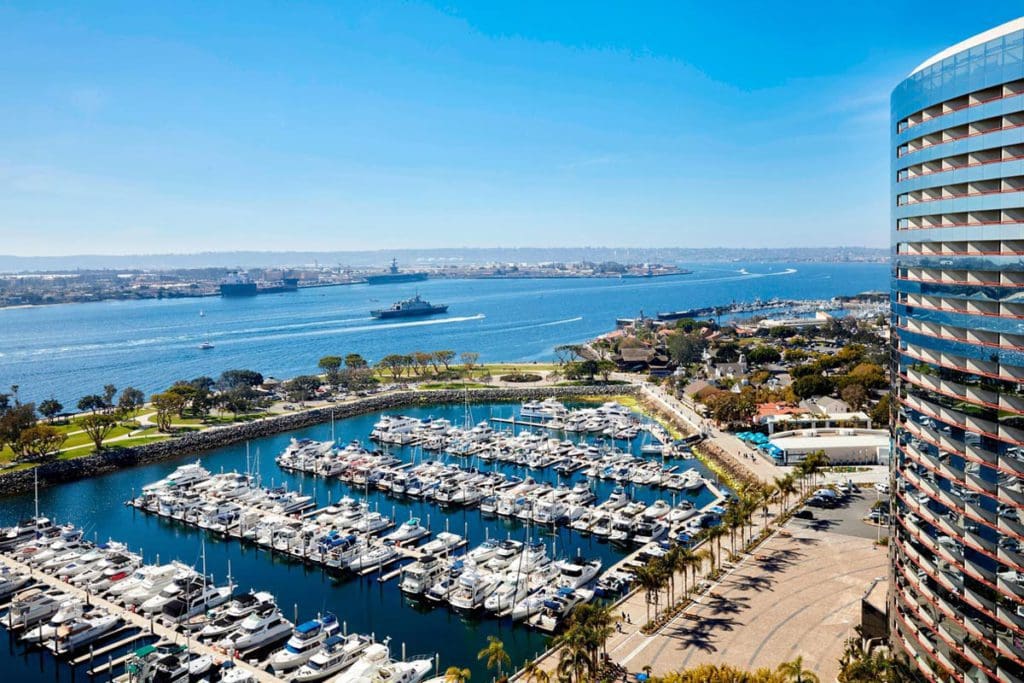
957 598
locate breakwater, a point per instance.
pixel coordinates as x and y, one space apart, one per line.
190 443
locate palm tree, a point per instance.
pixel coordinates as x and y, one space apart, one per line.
456 675
648 578
495 654
795 672
715 534
532 673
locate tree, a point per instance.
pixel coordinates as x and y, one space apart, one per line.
421 360
685 348
495 654
871 375
445 358
456 675
237 400
302 388
91 403
355 361
16 420
109 391
469 359
532 673
812 385
231 379
795 672
721 673
331 366
763 354
567 353
50 408
131 399
880 412
395 364
35 443
606 368
167 404
97 426
855 395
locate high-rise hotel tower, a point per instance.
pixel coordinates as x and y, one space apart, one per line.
957 598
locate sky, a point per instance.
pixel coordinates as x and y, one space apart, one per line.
205 126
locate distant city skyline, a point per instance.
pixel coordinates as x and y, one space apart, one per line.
189 128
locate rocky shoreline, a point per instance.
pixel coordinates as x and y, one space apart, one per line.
192 443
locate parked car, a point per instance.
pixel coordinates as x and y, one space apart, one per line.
804 513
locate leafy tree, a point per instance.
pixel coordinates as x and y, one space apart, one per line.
167 404
880 412
763 354
331 366
495 654
354 360
445 358
421 360
302 388
855 395
109 391
870 375
728 353
50 408
131 399
395 364
685 348
91 403
605 368
812 385
35 443
231 379
5 403
237 400
355 379
98 426
730 408
16 420
469 360
567 353
721 673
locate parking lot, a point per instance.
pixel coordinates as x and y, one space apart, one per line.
799 594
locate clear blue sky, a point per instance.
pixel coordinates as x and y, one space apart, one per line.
128 128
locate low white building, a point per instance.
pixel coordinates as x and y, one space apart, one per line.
841 446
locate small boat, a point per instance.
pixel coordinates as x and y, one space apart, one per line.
336 654
205 346
306 640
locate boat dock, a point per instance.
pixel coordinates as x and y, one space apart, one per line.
146 627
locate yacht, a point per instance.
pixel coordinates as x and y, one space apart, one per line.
513 588
23 531
409 531
11 581
375 556
472 590
82 632
365 668
257 630
231 615
68 611
483 552
648 531
577 574
196 602
305 642
30 607
442 543
558 607
420 575
412 671
183 476
336 654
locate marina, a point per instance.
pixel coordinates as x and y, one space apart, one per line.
370 604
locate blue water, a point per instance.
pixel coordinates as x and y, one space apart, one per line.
367 606
67 351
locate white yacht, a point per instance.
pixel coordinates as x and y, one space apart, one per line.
577 574
412 671
258 630
557 607
336 654
373 658
375 556
305 641
31 606
183 476
420 575
81 632
69 610
11 581
472 590
513 588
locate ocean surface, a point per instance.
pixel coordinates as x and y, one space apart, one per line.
367 606
67 351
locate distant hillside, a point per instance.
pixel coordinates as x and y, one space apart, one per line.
435 257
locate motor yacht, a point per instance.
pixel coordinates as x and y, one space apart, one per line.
336 654
257 630
576 574
364 669
31 606
83 631
416 578
305 641
472 590
69 610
